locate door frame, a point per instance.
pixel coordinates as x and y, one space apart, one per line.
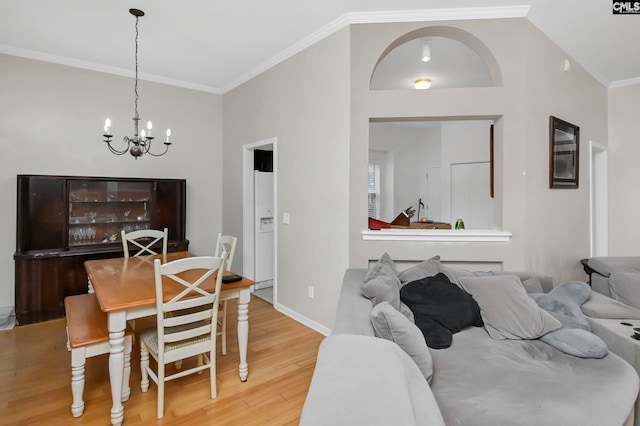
248 223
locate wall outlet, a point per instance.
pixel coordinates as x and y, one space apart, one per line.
286 218
311 292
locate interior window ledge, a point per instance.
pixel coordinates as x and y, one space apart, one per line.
447 235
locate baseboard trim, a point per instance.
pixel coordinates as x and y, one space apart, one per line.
325 331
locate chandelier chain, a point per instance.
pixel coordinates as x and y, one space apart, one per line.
136 85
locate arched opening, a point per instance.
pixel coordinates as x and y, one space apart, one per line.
456 59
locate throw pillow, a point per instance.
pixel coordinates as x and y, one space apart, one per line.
506 309
383 289
533 285
379 267
574 338
440 308
456 274
390 324
428 268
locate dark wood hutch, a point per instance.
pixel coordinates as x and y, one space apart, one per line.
62 221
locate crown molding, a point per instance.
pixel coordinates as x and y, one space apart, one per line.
431 15
62 60
624 83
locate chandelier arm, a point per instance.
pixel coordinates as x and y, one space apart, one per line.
115 151
157 155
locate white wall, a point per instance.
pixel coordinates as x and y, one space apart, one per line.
51 122
624 172
304 103
550 227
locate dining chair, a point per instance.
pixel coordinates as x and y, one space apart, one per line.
225 243
185 325
88 336
140 237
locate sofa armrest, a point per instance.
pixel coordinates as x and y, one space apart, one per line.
363 380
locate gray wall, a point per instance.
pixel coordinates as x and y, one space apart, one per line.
51 122
624 173
304 104
550 227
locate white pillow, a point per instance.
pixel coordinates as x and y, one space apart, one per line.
506 309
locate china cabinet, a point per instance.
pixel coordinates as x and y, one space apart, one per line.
62 221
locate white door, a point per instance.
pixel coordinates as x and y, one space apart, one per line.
470 195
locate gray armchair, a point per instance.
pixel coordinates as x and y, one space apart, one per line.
617 277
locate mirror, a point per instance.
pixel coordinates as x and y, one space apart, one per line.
441 168
564 153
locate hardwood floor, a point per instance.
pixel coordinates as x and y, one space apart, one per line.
35 377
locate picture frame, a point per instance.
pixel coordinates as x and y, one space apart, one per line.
564 154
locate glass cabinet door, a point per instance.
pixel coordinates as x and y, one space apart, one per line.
100 210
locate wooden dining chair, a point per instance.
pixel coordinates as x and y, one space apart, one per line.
185 325
88 336
144 239
225 243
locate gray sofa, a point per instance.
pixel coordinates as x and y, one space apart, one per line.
362 379
617 277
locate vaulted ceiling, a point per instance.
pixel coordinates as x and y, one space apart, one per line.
216 45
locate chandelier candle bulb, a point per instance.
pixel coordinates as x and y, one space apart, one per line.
107 125
149 126
168 134
142 134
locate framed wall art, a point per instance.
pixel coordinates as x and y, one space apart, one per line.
564 154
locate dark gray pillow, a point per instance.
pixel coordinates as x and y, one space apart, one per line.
390 324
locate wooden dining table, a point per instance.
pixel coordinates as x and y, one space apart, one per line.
125 289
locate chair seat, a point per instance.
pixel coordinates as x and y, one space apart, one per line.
86 322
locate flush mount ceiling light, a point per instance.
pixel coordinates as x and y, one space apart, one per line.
426 52
140 143
422 83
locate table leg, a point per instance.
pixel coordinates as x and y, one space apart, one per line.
117 324
243 331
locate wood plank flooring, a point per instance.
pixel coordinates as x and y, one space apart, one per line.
35 377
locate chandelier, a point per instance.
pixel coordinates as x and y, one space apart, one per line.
140 143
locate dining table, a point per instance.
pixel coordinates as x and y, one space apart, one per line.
125 289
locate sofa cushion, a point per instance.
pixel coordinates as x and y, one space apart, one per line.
440 308
601 306
506 309
390 324
625 287
428 268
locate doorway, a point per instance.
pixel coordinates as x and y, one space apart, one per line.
259 256
599 200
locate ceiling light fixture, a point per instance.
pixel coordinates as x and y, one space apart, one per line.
140 143
422 83
426 52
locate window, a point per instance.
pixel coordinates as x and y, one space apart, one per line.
374 190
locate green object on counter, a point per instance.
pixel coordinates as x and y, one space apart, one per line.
459 224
